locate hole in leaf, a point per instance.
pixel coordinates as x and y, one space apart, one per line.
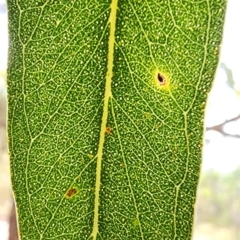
161 79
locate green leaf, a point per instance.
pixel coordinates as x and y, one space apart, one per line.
105 118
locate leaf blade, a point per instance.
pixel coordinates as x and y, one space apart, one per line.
149 132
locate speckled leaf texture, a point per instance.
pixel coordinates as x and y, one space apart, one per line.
106 106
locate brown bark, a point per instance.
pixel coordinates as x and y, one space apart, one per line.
13 229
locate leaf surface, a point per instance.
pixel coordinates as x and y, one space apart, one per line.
106 103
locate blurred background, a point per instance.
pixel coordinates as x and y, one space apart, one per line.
218 202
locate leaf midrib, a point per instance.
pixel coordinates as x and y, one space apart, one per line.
107 95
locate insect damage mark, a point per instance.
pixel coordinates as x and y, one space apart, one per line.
108 130
71 192
161 79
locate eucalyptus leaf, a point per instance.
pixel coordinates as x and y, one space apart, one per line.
105 115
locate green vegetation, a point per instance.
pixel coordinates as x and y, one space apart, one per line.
106 104
219 196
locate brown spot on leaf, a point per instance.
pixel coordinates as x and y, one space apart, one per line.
71 192
108 130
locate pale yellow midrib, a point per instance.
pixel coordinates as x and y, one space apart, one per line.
107 95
